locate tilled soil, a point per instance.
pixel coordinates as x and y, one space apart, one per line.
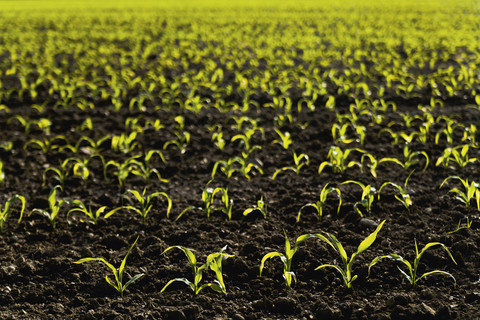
39 279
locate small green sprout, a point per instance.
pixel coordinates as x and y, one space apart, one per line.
260 207
125 143
54 207
92 216
285 139
214 261
118 273
287 257
367 198
409 158
297 159
467 225
461 157
46 145
346 271
181 142
471 190
404 197
208 195
412 276
7 210
318 206
144 201
60 174
338 160
2 173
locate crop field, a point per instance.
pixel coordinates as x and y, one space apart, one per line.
240 160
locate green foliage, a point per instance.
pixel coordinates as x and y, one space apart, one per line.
260 207
412 275
213 261
7 210
117 273
347 264
286 258
144 201
367 198
54 206
470 191
338 160
318 206
298 160
404 197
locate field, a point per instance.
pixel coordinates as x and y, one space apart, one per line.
312 160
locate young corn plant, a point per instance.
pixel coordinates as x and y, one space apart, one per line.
318 206
117 272
181 142
340 133
213 261
54 207
125 143
286 258
460 226
7 210
260 207
470 191
411 273
461 157
285 139
338 160
46 145
410 158
59 174
404 197
2 174
299 161
347 268
88 212
367 198
144 201
208 197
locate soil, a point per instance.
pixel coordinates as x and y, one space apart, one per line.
39 279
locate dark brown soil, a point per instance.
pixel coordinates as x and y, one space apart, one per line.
39 280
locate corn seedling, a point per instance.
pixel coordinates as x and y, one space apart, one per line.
318 206
338 160
404 197
460 226
469 134
42 124
461 157
410 158
213 261
286 258
46 145
299 161
2 173
246 137
346 270
54 207
367 198
125 143
471 190
59 174
285 139
412 276
340 133
144 201
448 132
117 273
92 146
182 141
208 195
260 207
88 212
7 210
372 164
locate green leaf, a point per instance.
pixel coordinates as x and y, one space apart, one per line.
365 244
268 256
